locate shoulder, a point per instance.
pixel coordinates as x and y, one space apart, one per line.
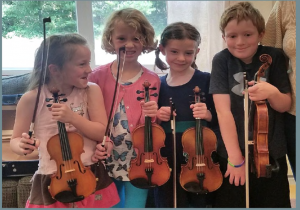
28 99
223 55
100 69
149 73
273 51
93 87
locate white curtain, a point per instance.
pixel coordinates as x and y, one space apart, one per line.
205 16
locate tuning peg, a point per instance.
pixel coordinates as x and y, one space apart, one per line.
139 91
203 99
191 102
64 100
49 105
154 94
139 98
154 88
48 99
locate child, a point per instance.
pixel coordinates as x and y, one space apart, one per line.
179 43
129 28
281 33
68 65
243 27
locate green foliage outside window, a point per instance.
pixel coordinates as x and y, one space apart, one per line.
24 18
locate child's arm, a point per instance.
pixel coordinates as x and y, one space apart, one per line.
92 128
280 102
230 138
20 142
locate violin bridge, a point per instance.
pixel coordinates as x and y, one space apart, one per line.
71 170
149 161
200 164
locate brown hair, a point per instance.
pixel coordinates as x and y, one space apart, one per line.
179 31
136 20
242 11
59 49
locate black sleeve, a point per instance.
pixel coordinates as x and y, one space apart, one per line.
219 75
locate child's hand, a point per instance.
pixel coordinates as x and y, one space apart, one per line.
164 113
236 175
26 146
149 108
101 153
200 111
261 90
61 112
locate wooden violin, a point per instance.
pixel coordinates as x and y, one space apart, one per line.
200 174
263 168
148 169
72 181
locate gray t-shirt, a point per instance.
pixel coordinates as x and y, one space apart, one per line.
227 78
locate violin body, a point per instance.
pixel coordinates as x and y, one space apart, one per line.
200 174
149 169
68 170
260 149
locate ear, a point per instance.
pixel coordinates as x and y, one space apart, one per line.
223 37
53 69
261 36
198 50
162 49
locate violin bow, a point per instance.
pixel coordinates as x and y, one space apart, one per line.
246 124
43 72
173 125
107 130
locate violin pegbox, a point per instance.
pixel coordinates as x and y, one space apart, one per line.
146 91
56 97
198 95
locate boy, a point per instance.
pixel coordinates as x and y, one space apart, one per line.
242 29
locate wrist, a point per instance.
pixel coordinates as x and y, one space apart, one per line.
236 165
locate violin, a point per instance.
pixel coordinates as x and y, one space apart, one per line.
263 168
200 174
149 169
73 181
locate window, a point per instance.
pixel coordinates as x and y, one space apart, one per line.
23 29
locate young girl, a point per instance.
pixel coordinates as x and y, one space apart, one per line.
130 29
179 43
83 112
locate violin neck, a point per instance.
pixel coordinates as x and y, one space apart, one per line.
64 141
199 138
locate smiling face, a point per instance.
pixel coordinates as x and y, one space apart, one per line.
180 54
242 39
124 35
76 69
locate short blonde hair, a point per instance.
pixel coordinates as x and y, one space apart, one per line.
242 11
135 19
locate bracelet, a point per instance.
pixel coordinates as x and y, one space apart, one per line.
236 166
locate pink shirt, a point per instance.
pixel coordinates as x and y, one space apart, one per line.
103 77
